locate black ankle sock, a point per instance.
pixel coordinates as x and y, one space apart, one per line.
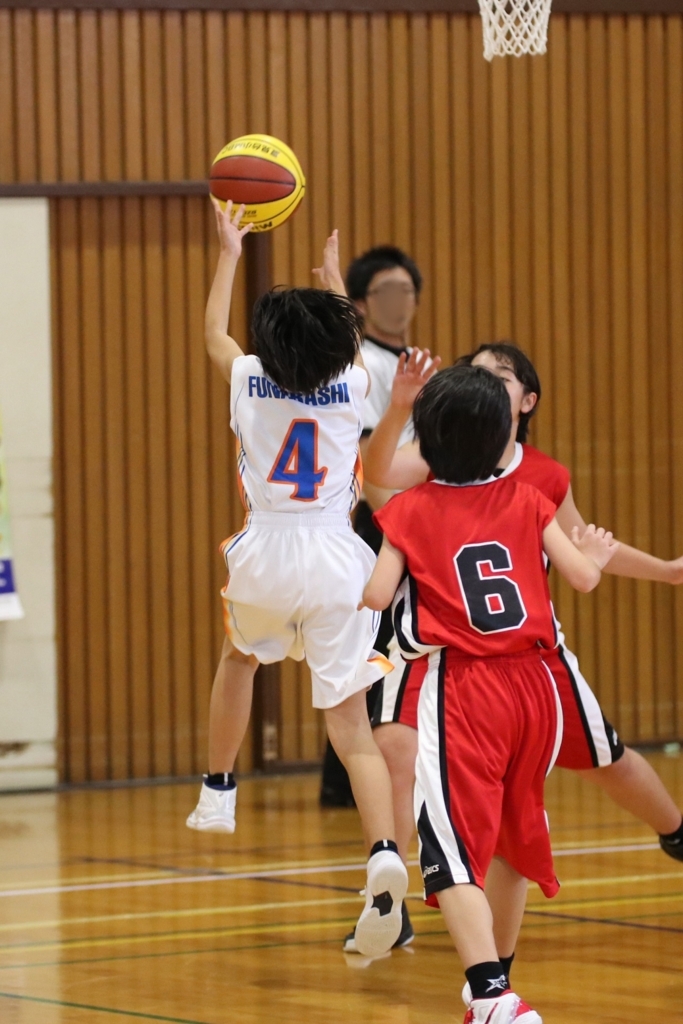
220 780
506 961
678 834
487 980
384 844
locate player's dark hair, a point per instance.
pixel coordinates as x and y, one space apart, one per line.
462 421
523 369
382 257
305 337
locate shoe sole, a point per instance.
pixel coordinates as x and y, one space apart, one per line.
212 825
350 947
377 933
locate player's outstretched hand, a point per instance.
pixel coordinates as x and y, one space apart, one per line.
329 273
596 543
675 568
412 373
230 234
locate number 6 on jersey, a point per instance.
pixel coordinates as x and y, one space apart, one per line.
297 461
493 602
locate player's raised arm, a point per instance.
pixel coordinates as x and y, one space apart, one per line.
329 273
627 561
330 277
581 559
380 589
222 349
383 464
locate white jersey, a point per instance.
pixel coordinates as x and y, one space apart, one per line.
381 361
295 452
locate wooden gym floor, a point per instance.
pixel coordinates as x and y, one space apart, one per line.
111 910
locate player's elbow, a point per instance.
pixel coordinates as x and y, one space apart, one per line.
216 348
377 598
211 340
587 579
372 477
375 473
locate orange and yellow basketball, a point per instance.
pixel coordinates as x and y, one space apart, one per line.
264 174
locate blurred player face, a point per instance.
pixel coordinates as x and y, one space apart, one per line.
390 304
520 400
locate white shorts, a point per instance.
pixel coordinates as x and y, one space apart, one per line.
294 584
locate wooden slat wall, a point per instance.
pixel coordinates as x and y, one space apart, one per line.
543 199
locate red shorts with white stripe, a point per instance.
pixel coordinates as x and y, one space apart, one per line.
589 740
488 732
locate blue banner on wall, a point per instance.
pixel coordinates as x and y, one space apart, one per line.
10 605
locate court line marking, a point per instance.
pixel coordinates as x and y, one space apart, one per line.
584 851
234 851
174 936
190 912
195 952
618 901
232 876
189 872
241 850
560 850
59 922
9 946
99 1009
637 841
293 926
549 915
618 922
622 879
220 876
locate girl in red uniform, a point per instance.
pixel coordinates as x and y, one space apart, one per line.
590 743
472 594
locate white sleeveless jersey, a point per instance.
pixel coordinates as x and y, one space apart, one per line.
295 452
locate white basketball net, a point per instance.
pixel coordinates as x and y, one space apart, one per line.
514 27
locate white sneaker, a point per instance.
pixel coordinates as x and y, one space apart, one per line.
380 923
467 995
505 1009
215 811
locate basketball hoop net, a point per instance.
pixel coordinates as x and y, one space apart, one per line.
514 27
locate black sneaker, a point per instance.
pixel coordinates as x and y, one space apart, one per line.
405 938
674 847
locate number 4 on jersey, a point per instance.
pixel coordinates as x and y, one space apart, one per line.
297 462
493 601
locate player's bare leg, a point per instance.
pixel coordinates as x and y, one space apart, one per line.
506 892
230 708
634 784
469 918
398 744
348 728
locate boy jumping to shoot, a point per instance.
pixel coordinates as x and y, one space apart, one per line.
297 569
476 601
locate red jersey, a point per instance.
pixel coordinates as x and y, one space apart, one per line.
476 579
530 466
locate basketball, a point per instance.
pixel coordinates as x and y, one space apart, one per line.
264 174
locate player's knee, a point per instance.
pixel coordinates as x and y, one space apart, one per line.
348 727
398 744
231 653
